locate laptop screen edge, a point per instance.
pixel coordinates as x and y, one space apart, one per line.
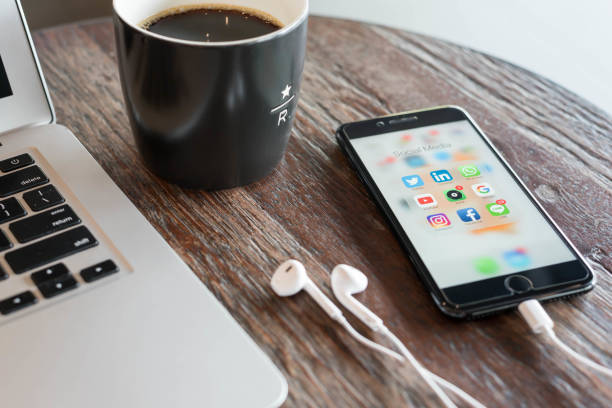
47 116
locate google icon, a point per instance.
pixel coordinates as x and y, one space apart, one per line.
483 190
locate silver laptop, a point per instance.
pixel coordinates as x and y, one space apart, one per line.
96 310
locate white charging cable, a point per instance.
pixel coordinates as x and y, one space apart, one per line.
540 323
291 278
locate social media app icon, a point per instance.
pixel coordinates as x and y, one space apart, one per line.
497 209
483 189
469 171
426 201
442 155
454 195
415 161
413 181
439 221
457 132
465 153
485 167
441 176
517 258
486 265
468 214
387 160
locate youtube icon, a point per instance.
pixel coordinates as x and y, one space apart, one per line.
426 201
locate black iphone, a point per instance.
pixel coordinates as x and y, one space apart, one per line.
475 234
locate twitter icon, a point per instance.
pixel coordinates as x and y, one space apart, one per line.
413 181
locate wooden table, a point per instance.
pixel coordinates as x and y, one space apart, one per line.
313 208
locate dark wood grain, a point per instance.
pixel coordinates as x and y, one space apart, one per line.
313 208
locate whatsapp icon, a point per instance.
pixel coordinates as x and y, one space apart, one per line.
469 171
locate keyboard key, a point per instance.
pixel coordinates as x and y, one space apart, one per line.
10 209
43 198
99 271
16 162
17 302
44 223
49 274
4 242
3 274
57 286
22 180
50 249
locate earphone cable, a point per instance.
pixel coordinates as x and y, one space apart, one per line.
367 342
373 345
439 380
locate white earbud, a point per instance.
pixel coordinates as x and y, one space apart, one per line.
290 278
347 281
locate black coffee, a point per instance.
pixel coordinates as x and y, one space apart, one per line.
212 24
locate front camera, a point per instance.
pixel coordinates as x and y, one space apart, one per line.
380 124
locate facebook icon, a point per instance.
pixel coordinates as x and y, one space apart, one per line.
441 176
468 215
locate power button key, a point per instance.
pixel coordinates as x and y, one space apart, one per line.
16 162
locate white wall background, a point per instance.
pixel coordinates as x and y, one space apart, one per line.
567 41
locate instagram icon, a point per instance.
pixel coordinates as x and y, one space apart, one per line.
439 221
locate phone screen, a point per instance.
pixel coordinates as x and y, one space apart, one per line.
460 207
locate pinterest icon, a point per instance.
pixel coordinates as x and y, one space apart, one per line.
439 221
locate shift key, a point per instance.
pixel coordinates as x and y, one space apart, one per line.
50 249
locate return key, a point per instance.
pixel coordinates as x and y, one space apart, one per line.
44 223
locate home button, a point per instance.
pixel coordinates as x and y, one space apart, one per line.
518 284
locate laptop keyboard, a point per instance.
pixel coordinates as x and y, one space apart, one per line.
49 245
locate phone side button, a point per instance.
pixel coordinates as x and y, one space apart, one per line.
518 284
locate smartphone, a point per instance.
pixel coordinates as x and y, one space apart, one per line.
477 237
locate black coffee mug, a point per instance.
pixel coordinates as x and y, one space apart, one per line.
211 115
